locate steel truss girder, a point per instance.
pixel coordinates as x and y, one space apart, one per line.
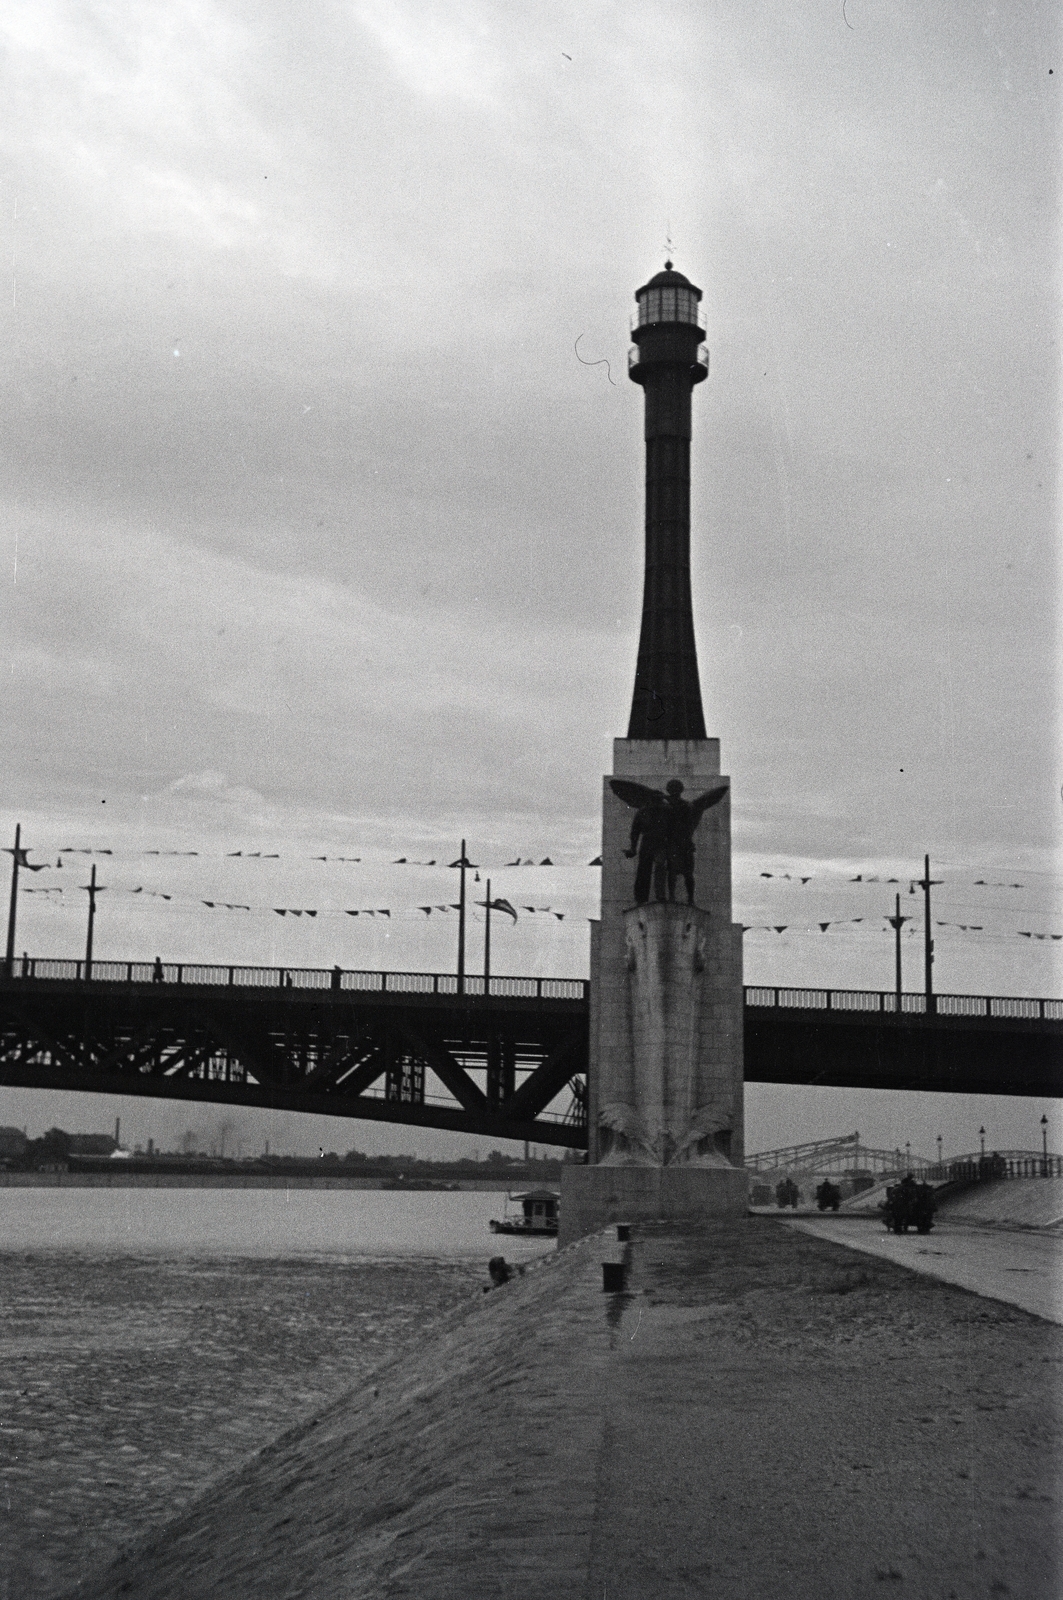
319 1057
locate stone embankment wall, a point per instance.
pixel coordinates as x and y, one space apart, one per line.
761 1414
1007 1202
467 1471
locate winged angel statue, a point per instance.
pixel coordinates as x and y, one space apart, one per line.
662 835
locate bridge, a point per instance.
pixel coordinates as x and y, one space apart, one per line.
506 1058
844 1156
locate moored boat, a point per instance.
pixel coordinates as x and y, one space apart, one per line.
531 1212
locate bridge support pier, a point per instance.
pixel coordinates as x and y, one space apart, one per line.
593 1197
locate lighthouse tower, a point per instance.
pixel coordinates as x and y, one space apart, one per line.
668 358
666 1011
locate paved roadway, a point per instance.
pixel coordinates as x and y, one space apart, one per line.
1022 1268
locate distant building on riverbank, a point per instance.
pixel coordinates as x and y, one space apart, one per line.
53 1150
13 1142
92 1144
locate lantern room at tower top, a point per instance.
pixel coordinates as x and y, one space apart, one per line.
668 327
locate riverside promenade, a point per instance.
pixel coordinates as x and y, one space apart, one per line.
1022 1266
761 1414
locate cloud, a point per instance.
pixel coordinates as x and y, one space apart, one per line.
292 683
213 787
209 782
370 543
457 55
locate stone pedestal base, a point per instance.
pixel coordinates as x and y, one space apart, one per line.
592 1197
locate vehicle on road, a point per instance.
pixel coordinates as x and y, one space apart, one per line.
908 1205
828 1196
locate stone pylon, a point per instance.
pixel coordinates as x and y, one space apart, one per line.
665 1071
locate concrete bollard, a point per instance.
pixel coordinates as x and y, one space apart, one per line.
623 1232
612 1277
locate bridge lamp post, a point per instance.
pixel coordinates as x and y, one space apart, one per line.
1044 1147
92 888
926 883
463 862
490 905
9 959
981 1135
907 1156
897 922
939 1149
461 925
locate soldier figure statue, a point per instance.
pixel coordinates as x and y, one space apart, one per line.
662 834
649 841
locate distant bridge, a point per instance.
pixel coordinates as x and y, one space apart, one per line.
844 1156
838 1157
510 1063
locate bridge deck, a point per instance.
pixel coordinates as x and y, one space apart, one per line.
510 1062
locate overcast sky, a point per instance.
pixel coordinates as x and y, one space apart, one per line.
320 537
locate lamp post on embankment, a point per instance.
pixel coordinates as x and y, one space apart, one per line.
1044 1147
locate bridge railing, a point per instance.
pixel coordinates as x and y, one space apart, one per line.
885 1001
1001 1164
198 974
774 996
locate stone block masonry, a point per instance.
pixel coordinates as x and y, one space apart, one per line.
592 1197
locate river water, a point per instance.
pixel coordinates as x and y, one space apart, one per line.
151 1339
349 1224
